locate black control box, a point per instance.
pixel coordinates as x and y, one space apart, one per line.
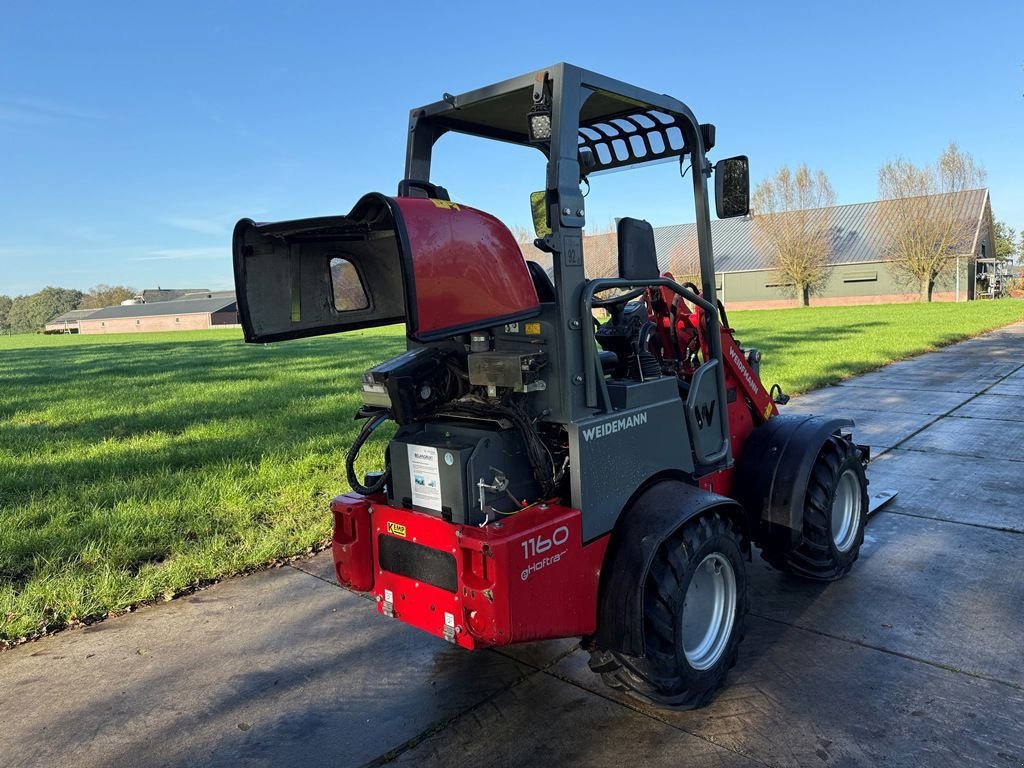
461 473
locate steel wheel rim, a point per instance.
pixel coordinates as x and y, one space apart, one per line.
846 511
709 610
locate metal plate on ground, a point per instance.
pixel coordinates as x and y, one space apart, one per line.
963 489
879 499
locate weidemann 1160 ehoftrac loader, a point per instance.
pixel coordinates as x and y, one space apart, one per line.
553 476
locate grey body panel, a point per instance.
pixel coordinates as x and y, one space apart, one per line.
615 454
705 415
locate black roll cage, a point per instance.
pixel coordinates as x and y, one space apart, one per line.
622 125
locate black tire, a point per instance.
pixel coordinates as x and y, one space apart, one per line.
666 676
829 548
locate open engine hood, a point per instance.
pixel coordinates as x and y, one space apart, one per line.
442 267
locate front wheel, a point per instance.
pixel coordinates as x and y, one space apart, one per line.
695 600
835 511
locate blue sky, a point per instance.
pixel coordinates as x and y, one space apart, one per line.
133 135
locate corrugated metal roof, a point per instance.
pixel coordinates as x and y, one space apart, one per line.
178 307
225 294
857 236
153 295
72 317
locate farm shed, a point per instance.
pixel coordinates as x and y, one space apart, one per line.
860 269
68 321
172 315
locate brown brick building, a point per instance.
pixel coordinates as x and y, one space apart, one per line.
187 314
67 322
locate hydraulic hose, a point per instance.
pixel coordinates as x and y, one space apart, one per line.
350 460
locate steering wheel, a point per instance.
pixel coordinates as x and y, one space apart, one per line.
622 299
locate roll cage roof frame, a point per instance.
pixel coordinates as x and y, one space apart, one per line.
623 126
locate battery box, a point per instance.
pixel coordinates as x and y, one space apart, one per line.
446 469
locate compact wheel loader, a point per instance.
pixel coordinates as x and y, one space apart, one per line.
551 475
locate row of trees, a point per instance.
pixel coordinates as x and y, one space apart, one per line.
922 223
25 314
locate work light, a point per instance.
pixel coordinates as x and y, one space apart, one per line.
539 124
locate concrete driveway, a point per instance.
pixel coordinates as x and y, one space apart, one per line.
916 659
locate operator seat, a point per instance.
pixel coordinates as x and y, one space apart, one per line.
638 258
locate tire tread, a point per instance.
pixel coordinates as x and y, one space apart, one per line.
655 678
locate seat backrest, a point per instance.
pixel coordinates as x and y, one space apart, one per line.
638 259
542 282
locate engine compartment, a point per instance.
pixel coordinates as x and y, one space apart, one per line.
474 444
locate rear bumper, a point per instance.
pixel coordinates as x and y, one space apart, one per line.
525 577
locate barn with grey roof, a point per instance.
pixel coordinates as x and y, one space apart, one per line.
860 264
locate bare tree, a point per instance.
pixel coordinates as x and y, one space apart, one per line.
601 250
522 235
922 217
796 232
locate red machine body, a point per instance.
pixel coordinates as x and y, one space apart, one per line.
526 577
457 255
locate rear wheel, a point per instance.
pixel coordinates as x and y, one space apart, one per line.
835 510
695 599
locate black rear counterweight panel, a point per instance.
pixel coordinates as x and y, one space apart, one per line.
415 561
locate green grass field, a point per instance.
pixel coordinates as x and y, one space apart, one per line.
135 467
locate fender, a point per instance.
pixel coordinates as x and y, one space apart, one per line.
651 518
772 475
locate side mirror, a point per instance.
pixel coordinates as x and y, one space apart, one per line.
732 187
539 208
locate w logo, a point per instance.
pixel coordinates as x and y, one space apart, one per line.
705 413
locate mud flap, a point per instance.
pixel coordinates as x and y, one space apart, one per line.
771 479
649 520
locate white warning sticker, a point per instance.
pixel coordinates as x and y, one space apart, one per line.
426 479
